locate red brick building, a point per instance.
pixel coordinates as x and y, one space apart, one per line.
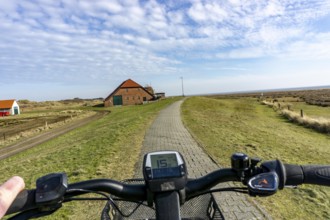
128 93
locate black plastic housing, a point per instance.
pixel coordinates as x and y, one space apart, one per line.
51 188
165 184
278 167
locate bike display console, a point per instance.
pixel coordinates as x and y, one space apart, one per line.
164 171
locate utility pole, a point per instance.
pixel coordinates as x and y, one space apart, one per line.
182 86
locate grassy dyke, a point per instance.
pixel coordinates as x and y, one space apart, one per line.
225 126
312 111
296 104
320 124
106 148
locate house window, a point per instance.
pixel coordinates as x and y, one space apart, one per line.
126 90
127 98
133 97
138 97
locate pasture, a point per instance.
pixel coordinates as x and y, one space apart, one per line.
224 125
36 117
106 148
109 147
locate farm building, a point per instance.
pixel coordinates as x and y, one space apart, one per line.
9 107
129 93
160 95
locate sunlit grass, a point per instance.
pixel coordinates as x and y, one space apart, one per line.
225 126
320 124
106 148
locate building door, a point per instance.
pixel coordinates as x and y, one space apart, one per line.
16 110
117 100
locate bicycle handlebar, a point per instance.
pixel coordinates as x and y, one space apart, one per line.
126 191
307 174
292 174
136 192
196 186
25 200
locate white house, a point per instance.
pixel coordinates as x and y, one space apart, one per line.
9 107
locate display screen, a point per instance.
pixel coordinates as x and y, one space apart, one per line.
163 161
164 165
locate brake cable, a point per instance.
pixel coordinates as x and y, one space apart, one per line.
110 201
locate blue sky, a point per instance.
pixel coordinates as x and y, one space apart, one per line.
52 50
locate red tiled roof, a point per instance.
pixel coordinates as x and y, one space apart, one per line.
130 84
5 104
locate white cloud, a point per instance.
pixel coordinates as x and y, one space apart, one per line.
215 32
98 40
274 8
175 17
109 6
243 53
268 35
313 47
207 12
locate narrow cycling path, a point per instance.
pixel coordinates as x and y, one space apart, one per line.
168 133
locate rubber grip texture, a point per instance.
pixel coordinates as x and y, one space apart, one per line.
307 174
316 174
25 200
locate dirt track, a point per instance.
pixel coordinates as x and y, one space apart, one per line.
41 138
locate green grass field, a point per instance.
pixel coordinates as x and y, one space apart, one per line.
106 148
225 126
297 104
312 110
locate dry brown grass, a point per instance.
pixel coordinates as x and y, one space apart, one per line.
29 106
16 128
319 97
318 124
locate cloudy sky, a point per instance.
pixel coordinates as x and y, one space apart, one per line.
58 49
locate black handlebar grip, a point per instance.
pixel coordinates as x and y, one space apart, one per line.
307 174
317 174
25 200
294 175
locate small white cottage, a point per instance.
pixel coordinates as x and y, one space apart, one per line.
9 107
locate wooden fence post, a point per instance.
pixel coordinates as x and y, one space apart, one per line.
4 136
301 113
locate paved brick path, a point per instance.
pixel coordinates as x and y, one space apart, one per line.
168 133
